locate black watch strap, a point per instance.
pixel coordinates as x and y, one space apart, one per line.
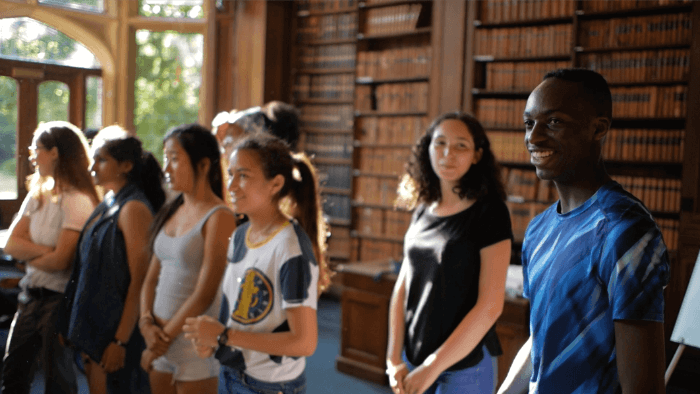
223 337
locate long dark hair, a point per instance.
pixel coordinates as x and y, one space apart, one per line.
145 172
199 144
73 162
421 183
300 185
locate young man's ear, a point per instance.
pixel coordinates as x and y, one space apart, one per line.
602 126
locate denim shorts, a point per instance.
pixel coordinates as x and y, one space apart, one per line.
481 378
234 381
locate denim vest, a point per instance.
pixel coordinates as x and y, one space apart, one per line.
95 295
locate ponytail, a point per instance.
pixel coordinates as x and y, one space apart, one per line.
151 181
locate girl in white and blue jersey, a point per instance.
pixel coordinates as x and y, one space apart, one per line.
270 285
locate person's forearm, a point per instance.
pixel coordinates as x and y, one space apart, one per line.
24 249
518 379
197 303
130 315
52 261
396 326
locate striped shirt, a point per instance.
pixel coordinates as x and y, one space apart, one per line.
601 262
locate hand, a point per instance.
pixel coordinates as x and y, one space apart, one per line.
396 378
113 358
420 379
156 339
203 330
203 351
147 358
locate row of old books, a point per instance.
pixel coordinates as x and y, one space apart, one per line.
391 20
641 66
371 250
500 113
518 77
326 87
395 97
334 176
659 195
521 214
325 5
619 5
405 62
523 186
335 117
399 130
339 242
495 11
654 30
337 206
382 222
650 145
328 146
390 161
509 146
327 27
376 190
670 232
517 42
649 101
326 57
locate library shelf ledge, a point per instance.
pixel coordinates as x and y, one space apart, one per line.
374 237
401 113
329 160
665 215
325 101
334 41
498 93
670 82
305 13
648 123
415 32
379 81
523 23
496 128
358 173
324 71
360 144
492 59
658 47
335 190
327 131
338 256
339 222
360 204
637 11
365 5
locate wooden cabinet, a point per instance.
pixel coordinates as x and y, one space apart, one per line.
365 322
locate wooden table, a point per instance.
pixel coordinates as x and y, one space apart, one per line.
367 288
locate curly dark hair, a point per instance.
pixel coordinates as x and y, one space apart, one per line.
482 179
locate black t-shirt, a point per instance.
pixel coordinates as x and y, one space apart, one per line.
442 283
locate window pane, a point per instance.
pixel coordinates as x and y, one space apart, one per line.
93 103
168 77
83 5
172 8
8 138
53 101
28 39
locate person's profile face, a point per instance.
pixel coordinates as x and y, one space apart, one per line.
559 132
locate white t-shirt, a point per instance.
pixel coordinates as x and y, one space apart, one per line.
69 210
260 283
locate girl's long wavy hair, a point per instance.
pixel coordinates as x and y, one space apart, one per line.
299 197
421 184
71 171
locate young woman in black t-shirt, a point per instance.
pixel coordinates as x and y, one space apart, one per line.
451 287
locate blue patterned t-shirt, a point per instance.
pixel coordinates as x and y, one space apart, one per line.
601 262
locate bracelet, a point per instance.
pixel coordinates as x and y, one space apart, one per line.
119 343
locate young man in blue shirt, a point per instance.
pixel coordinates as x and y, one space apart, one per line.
594 263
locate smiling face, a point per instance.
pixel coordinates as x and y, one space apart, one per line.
562 132
106 171
452 151
178 169
250 190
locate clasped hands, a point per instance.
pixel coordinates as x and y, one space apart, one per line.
403 381
157 343
203 331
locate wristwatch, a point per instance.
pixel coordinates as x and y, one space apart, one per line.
223 337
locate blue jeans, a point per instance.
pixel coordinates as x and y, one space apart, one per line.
480 378
234 381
